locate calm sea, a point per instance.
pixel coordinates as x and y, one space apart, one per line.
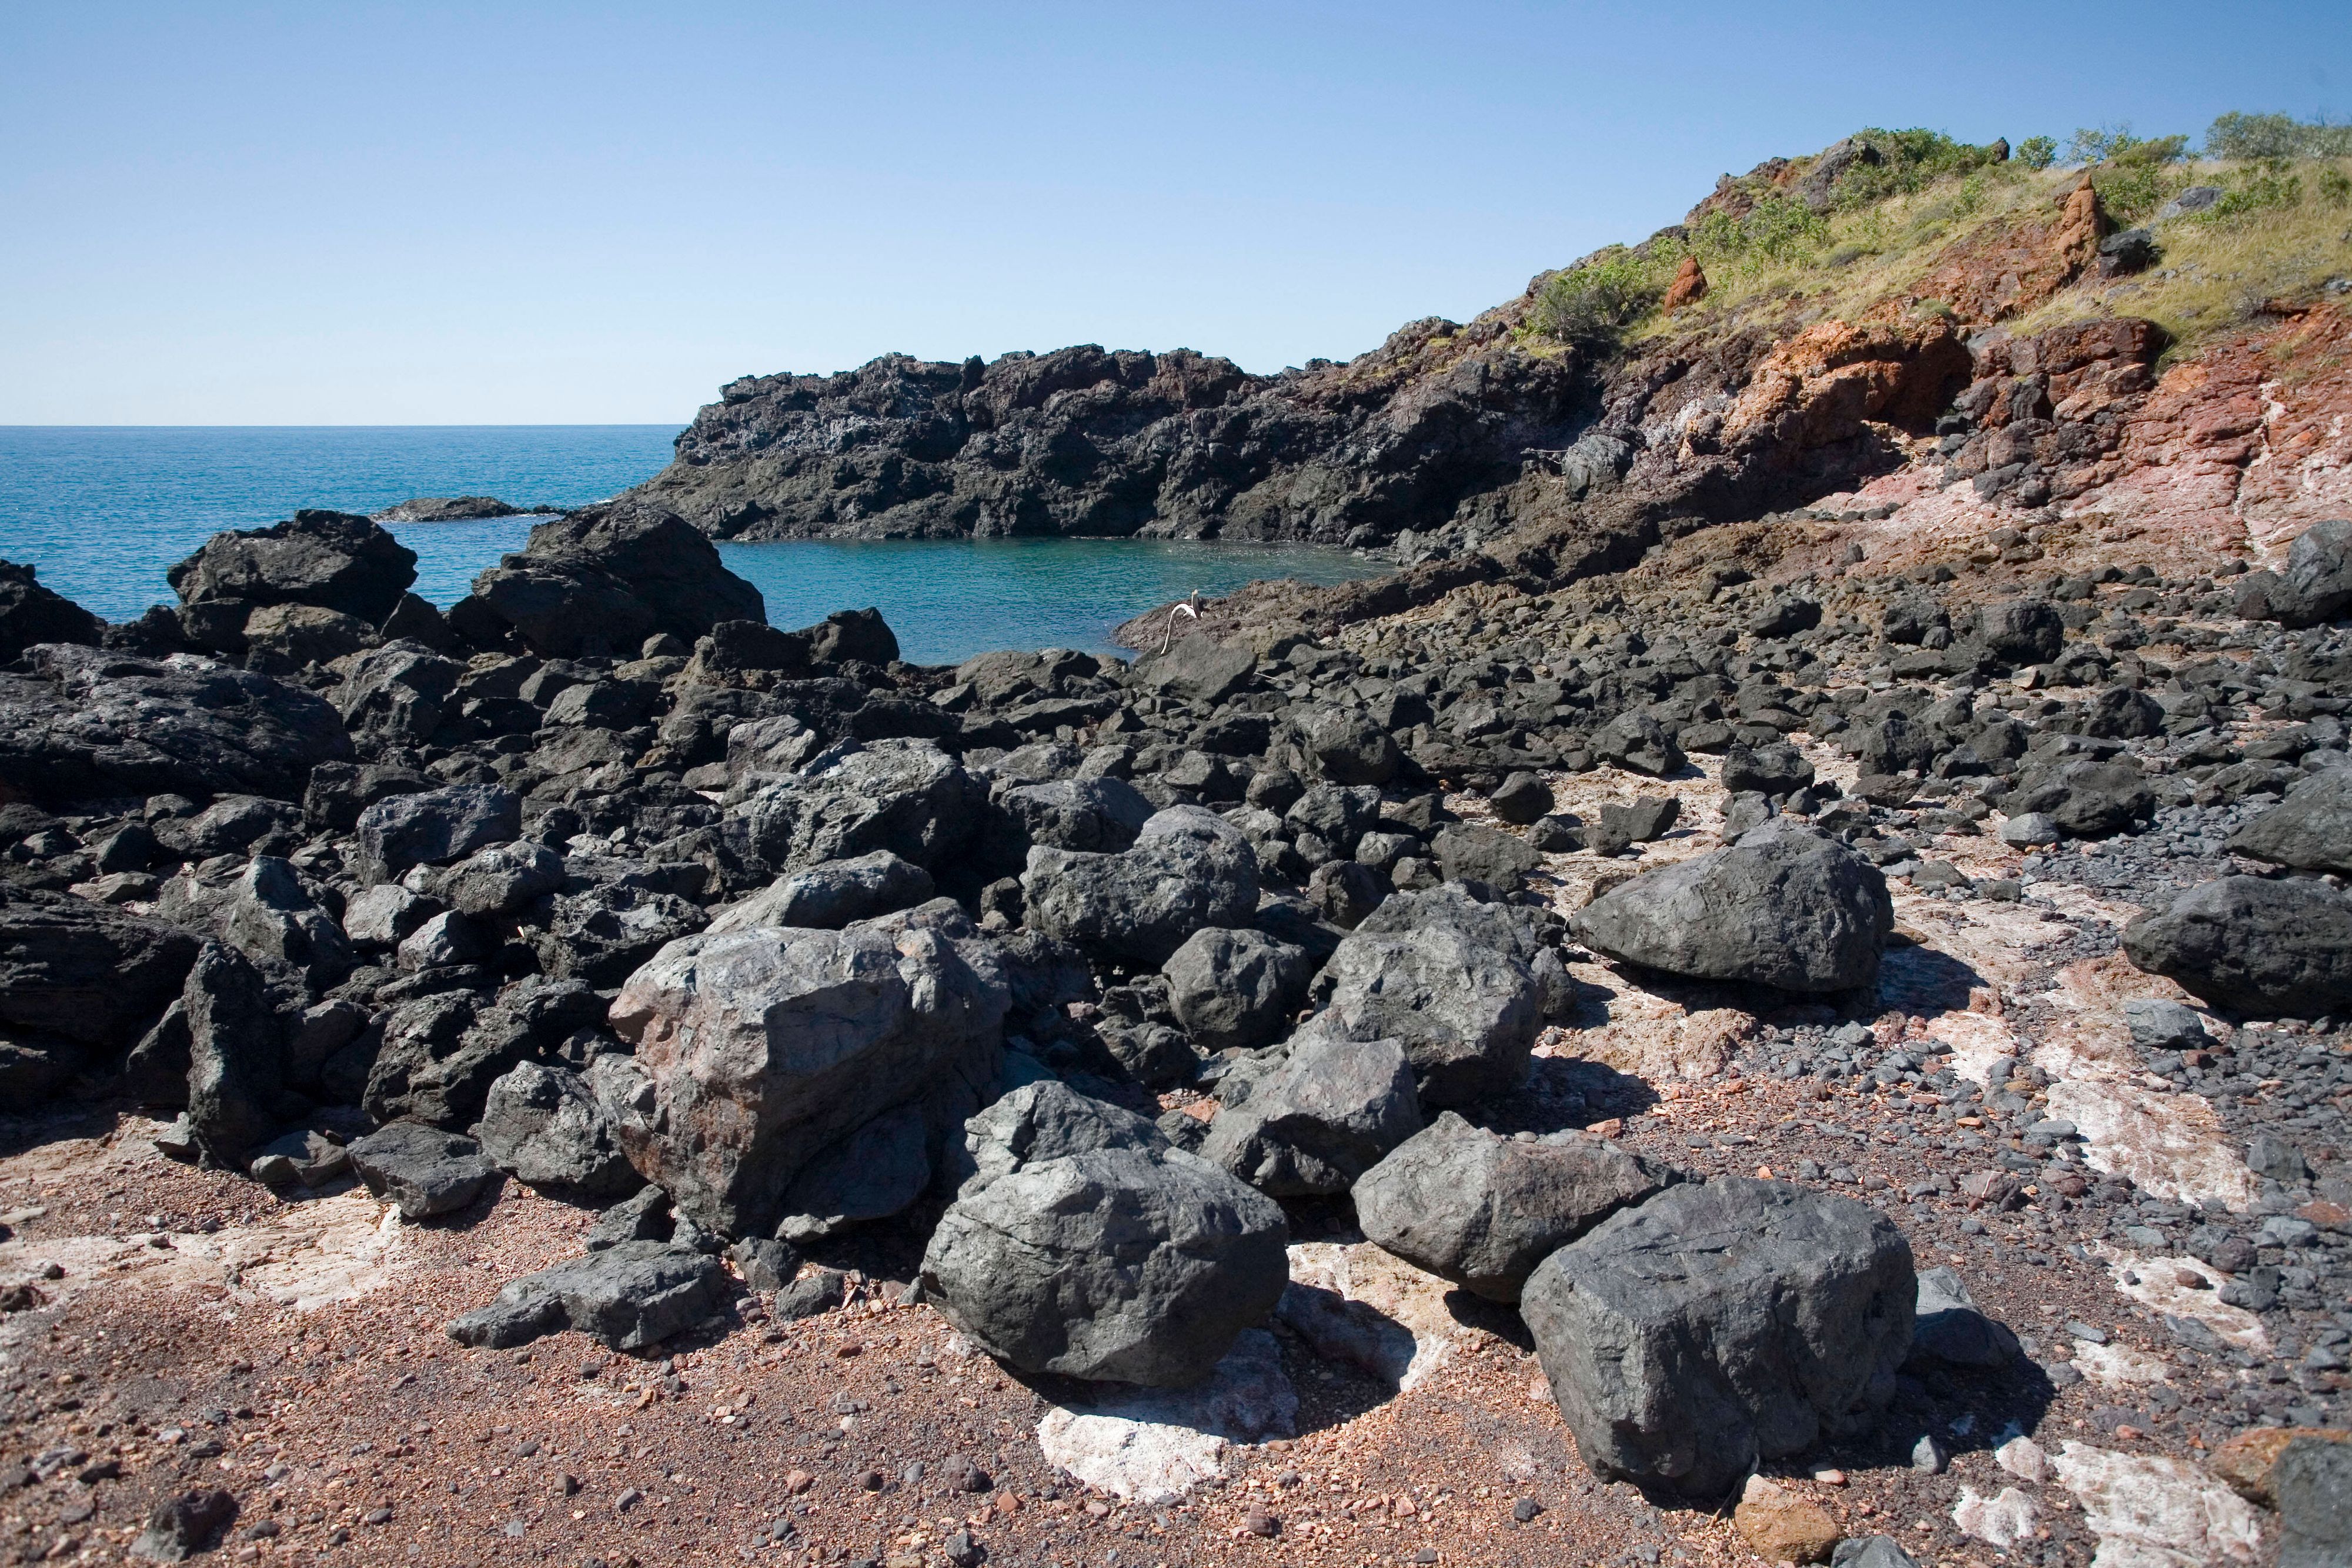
103 511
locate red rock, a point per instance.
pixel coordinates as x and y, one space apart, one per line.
1688 287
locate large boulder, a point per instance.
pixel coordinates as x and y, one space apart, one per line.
604 932
1084 1244
2310 830
764 1047
398 694
79 982
904 796
1235 988
30 613
237 1056
1320 1119
1483 1211
1451 980
1100 815
2315 587
629 1296
2020 631
543 1125
602 581
1720 1326
2272 949
422 1170
434 1057
2087 797
1189 870
1785 906
330 559
434 827
87 722
270 915
830 894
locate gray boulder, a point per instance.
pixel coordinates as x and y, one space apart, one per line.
79 982
2157 1025
434 828
1466 1010
904 796
1235 988
1196 669
422 1170
1720 1326
2272 949
397 694
832 894
331 560
1483 1211
1870 1552
1638 743
1322 1118
2086 799
1947 1327
86 722
1351 747
237 1056
602 582
504 879
629 1296
601 933
1084 1244
2022 632
1785 907
2316 585
2311 1479
2310 830
878 1171
543 1127
763 1048
1521 798
1467 851
269 914
30 613
1103 815
1189 870
1776 769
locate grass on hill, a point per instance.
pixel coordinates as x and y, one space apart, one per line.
2283 227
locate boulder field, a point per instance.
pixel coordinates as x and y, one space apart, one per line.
1819 1032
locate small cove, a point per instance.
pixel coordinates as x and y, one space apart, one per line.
104 513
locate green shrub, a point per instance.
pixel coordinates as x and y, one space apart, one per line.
2266 188
2335 187
2256 137
1590 306
2117 144
1908 161
2037 152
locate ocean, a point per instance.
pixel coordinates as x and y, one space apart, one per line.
103 511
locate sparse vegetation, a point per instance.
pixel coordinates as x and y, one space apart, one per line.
2255 137
2037 152
2117 144
1908 161
1590 306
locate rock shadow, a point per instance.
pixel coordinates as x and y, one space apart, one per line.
1345 1357
1926 982
1562 1092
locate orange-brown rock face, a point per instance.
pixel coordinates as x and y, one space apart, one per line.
1820 385
1689 284
1994 276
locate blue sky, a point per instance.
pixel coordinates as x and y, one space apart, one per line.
347 214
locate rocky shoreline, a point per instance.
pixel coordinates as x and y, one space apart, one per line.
1812 1035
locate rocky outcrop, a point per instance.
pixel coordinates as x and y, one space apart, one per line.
30 613
327 560
602 582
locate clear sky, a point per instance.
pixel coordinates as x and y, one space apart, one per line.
352 213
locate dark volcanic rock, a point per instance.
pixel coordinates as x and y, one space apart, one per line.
1483 1211
1235 988
1721 1325
423 1170
628 1296
434 827
1189 870
543 1125
86 722
602 581
2269 948
1084 1244
763 1047
30 613
1324 1116
334 560
830 894
1784 906
1080 440
83 972
447 509
2312 830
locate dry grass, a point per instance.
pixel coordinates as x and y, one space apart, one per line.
2216 273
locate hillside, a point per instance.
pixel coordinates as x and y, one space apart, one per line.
1809 327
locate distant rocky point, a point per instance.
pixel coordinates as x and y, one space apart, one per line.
451 509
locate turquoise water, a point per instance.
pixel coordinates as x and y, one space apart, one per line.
103 511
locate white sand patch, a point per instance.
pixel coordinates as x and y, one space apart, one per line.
1154 1444
1392 1287
2155 1282
2172 1145
2120 1364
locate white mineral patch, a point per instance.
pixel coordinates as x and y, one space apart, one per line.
2155 1282
1153 1445
2151 1512
2001 1520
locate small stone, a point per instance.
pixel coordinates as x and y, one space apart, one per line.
1928 1456
1259 1522
1526 1509
1783 1527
